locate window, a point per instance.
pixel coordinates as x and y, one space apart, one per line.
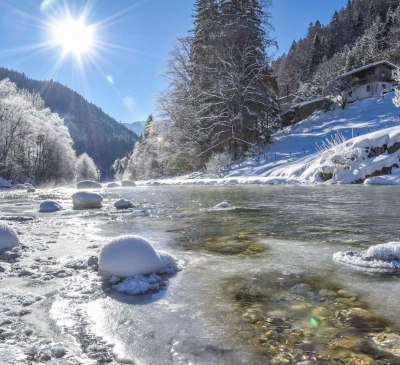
368 88
383 74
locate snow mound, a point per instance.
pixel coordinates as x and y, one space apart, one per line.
129 256
123 204
113 185
49 206
88 184
8 237
83 199
128 183
382 257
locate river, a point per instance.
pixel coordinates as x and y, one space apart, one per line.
258 284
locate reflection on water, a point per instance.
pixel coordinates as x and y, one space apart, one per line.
293 319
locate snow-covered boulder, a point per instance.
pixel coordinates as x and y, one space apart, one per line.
49 206
129 256
113 185
84 199
222 205
128 183
31 190
382 257
123 204
88 184
8 237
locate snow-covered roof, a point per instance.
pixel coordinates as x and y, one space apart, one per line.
366 67
307 102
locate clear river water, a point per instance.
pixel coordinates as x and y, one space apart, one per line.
258 284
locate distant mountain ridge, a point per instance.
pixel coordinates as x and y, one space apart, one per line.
137 127
92 130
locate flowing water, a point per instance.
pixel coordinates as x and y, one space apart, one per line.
257 285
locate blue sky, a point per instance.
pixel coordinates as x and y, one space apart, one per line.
124 75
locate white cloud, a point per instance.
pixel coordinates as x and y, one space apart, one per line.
110 79
130 102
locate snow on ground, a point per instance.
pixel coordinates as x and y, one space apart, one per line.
301 140
382 257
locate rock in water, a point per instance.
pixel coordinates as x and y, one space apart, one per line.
123 204
86 200
49 206
8 237
113 185
128 183
223 205
128 256
88 184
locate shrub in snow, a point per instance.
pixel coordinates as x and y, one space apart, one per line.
49 206
123 204
86 200
113 185
128 256
88 184
86 169
218 163
128 183
378 257
8 237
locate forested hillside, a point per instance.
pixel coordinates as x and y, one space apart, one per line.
362 32
93 131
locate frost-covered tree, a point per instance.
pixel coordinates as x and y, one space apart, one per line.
34 142
396 99
86 169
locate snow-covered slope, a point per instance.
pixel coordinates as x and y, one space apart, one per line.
293 148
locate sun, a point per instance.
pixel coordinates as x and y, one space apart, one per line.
73 35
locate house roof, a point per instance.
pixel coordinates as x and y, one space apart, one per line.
367 67
313 101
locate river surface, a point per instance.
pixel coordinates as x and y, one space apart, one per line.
258 284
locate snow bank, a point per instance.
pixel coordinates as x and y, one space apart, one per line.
8 237
113 185
383 257
88 184
123 204
49 206
83 199
4 183
128 183
393 179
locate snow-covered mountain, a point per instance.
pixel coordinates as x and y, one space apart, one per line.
137 127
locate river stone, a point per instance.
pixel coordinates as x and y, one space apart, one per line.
8 237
